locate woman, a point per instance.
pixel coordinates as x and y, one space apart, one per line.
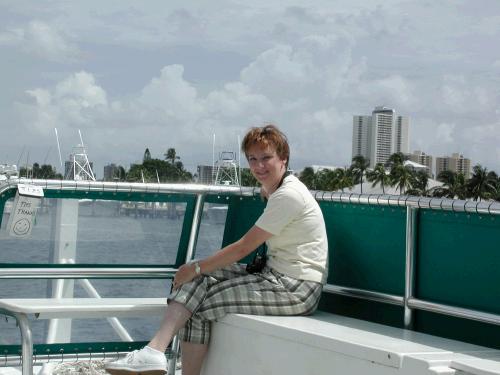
292 225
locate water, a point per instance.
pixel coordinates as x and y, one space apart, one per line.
106 235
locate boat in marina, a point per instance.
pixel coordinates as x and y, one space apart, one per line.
413 286
8 171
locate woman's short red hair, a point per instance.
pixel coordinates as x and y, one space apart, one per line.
268 135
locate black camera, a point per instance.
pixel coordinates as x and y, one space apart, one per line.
258 263
259 260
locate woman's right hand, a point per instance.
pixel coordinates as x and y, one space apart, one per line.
185 274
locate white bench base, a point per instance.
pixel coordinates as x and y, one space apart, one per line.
332 344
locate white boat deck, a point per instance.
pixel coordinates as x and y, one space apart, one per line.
328 343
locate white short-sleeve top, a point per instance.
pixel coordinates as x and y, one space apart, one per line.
299 246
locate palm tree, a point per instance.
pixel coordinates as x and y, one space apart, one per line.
419 183
401 176
395 159
482 185
307 177
247 178
342 178
454 186
497 195
326 179
171 156
321 179
378 176
358 167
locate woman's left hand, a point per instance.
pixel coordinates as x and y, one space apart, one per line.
185 274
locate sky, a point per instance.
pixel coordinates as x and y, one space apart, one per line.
162 74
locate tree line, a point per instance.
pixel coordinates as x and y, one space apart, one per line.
44 171
169 169
482 185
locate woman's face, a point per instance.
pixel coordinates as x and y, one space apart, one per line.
266 165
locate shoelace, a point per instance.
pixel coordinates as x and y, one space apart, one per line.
130 356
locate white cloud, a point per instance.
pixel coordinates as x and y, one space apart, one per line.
172 95
463 95
73 102
41 39
311 68
279 65
236 101
393 90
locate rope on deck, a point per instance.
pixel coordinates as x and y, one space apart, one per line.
95 367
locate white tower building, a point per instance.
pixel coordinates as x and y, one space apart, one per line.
378 136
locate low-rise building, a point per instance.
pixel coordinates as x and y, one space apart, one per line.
455 163
424 159
206 174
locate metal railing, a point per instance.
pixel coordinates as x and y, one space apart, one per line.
111 272
130 187
413 204
408 301
20 272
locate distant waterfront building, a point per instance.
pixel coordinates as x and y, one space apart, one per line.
318 168
417 167
206 174
423 159
111 172
378 136
456 163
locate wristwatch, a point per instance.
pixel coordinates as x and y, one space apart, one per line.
197 268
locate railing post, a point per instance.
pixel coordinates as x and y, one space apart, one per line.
65 240
193 237
195 226
26 345
411 240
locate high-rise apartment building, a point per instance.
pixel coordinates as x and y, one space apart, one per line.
378 136
456 163
422 158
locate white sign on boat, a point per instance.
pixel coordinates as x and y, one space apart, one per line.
26 203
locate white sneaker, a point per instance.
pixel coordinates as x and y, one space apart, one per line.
147 361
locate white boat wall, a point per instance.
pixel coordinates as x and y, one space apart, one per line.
413 286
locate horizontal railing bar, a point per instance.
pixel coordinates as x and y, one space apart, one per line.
441 204
364 294
458 312
131 187
84 272
414 303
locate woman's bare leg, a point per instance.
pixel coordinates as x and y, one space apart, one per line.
192 357
176 316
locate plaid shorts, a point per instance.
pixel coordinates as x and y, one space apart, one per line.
233 290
